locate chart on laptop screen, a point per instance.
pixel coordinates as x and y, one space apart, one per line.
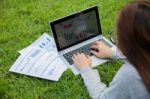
78 28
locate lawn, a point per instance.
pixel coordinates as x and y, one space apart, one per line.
22 22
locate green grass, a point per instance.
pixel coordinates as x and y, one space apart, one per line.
22 22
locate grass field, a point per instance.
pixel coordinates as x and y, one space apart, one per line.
22 22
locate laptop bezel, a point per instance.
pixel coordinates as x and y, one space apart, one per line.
53 23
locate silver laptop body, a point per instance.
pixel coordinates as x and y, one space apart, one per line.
74 32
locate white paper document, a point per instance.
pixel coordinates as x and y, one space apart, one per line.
40 59
44 42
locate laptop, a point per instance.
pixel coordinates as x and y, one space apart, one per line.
75 33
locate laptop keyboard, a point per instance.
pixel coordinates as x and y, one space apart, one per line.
84 49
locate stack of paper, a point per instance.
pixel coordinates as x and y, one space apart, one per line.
40 59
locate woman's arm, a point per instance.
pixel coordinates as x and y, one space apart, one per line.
91 77
117 54
92 82
118 88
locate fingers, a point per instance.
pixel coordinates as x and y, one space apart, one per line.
94 46
74 60
83 56
89 57
95 53
76 56
96 42
98 45
80 56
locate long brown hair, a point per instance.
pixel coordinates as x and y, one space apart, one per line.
133 34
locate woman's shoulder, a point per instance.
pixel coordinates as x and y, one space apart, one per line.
127 71
129 77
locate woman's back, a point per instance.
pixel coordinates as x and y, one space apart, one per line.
131 82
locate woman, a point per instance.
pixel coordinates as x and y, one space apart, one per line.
132 81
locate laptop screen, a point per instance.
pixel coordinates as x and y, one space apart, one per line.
76 28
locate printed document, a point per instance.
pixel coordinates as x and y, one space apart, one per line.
40 59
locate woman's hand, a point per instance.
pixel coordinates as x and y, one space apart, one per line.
81 61
101 50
